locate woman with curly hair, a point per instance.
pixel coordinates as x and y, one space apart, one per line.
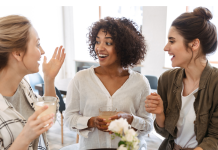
186 105
118 45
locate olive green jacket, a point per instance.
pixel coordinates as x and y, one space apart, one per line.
205 106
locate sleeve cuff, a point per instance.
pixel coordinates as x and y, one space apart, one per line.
82 122
157 127
137 123
85 132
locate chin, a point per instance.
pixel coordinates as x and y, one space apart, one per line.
34 70
175 65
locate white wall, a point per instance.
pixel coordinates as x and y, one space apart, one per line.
154 31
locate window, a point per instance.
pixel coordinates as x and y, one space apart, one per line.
48 24
130 12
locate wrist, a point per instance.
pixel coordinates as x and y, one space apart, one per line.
160 115
131 119
91 123
23 139
48 79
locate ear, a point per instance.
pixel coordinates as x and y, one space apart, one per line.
195 45
18 55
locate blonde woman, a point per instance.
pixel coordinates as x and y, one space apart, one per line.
20 52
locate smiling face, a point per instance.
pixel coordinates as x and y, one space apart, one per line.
176 48
105 49
34 51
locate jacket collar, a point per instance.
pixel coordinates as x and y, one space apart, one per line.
203 80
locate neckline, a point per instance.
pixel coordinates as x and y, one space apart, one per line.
192 93
102 85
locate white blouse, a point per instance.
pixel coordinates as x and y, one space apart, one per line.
186 137
86 93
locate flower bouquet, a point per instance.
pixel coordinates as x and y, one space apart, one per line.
122 129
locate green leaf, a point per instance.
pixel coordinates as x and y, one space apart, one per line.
122 142
117 134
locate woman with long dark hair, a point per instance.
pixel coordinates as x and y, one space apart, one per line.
186 105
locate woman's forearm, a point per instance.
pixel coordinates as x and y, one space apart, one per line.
49 89
20 143
160 119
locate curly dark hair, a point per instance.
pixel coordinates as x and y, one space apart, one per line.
129 42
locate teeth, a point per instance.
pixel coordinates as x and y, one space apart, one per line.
101 55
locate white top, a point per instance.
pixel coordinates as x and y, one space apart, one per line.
86 93
186 137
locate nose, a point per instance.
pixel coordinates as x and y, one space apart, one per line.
166 48
41 50
100 47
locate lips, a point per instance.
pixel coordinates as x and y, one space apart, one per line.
39 61
102 55
173 56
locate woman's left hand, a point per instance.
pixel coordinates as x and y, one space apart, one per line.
52 68
123 115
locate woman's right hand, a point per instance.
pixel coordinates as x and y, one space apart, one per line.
154 104
35 127
98 123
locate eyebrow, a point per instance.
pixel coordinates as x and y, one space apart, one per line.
171 38
105 37
38 40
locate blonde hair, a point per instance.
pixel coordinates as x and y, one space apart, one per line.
14 35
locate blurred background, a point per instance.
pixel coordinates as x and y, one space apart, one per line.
68 26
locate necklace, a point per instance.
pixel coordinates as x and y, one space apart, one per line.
192 88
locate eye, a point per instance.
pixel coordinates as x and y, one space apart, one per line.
107 43
171 42
38 45
97 42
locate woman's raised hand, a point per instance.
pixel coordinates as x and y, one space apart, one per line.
52 68
154 104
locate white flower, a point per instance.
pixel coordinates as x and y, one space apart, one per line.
122 147
118 126
135 143
129 134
